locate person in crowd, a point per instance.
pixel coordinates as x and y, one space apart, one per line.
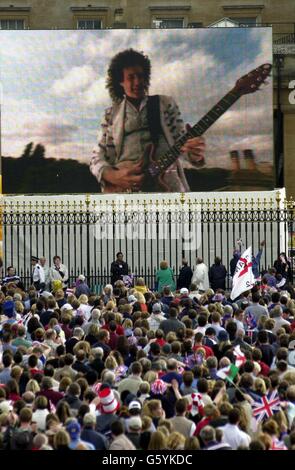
59 272
283 266
128 378
81 286
200 276
217 275
119 268
185 275
38 275
165 277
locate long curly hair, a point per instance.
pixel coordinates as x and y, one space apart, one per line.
124 59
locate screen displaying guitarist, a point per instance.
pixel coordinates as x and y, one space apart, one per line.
144 138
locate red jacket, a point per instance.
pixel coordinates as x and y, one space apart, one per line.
204 422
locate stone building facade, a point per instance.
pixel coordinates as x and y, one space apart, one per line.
93 14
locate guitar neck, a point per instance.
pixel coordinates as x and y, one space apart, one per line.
196 131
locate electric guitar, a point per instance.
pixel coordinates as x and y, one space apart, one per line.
154 169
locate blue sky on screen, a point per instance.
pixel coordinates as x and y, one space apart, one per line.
53 86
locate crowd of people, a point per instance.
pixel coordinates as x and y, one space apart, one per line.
179 367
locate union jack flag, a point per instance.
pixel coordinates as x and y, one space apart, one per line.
266 406
120 372
278 445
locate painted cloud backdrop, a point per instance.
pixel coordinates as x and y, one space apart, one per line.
53 86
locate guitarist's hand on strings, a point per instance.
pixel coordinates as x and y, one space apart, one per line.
195 148
127 175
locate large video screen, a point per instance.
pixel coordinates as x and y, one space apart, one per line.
118 111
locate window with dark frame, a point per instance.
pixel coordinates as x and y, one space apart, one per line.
168 23
12 24
245 21
89 24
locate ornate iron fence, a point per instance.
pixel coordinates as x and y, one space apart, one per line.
88 234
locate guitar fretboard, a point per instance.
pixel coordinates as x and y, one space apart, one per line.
197 130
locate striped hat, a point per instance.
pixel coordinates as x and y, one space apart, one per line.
197 404
108 403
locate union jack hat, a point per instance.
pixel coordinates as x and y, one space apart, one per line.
158 387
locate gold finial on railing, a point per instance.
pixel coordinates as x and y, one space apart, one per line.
214 204
278 199
292 207
285 202
17 207
182 198
239 203
291 203
220 202
252 203
226 204
144 203
271 203
246 203
94 204
87 200
233 204
258 202
43 206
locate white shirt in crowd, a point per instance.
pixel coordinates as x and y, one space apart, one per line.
59 274
234 436
39 417
38 273
200 277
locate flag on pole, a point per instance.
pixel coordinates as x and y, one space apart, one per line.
243 279
266 406
239 356
228 373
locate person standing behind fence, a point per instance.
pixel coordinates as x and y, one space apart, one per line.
283 266
46 272
165 277
59 272
38 276
185 275
200 276
217 275
118 268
